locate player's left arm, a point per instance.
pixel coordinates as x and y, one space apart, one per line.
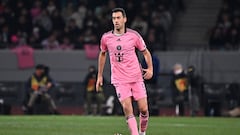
148 73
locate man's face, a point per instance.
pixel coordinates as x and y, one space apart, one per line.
39 72
118 20
177 69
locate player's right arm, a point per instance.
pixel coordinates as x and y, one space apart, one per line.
101 63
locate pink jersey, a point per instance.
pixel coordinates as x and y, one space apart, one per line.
125 67
25 56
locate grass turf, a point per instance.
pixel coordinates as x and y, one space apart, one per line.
87 125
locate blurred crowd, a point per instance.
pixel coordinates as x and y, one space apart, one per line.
69 24
225 34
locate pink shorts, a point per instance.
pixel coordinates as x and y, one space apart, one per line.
137 90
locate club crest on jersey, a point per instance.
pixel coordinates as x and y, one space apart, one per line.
119 47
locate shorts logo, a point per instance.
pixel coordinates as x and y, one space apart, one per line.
143 86
119 95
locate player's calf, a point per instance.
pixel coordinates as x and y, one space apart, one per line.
143 122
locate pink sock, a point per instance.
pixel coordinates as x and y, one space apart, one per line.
132 124
143 122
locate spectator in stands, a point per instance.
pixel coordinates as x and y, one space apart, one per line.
50 43
236 23
90 37
233 39
2 21
44 21
46 14
145 9
20 5
79 15
8 15
67 11
224 9
140 25
152 42
14 41
131 10
227 27
92 22
161 21
232 6
66 44
91 94
165 17
72 30
225 23
39 85
217 40
57 21
2 5
23 27
179 87
36 9
51 7
36 37
5 37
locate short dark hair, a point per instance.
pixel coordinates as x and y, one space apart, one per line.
40 67
120 10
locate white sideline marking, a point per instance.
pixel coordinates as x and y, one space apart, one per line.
190 125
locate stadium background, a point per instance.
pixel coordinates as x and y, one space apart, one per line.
178 31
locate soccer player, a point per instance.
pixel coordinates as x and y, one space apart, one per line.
126 72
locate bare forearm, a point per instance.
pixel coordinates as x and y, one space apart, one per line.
101 63
148 59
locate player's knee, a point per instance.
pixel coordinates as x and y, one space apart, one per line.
126 108
143 110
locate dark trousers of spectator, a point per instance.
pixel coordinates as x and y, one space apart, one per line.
33 97
179 109
93 97
213 108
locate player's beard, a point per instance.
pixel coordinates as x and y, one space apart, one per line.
118 28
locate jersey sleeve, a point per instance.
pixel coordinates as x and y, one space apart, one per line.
103 45
140 44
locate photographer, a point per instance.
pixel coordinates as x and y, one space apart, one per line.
179 86
91 95
38 85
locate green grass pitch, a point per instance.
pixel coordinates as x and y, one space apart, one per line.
96 125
